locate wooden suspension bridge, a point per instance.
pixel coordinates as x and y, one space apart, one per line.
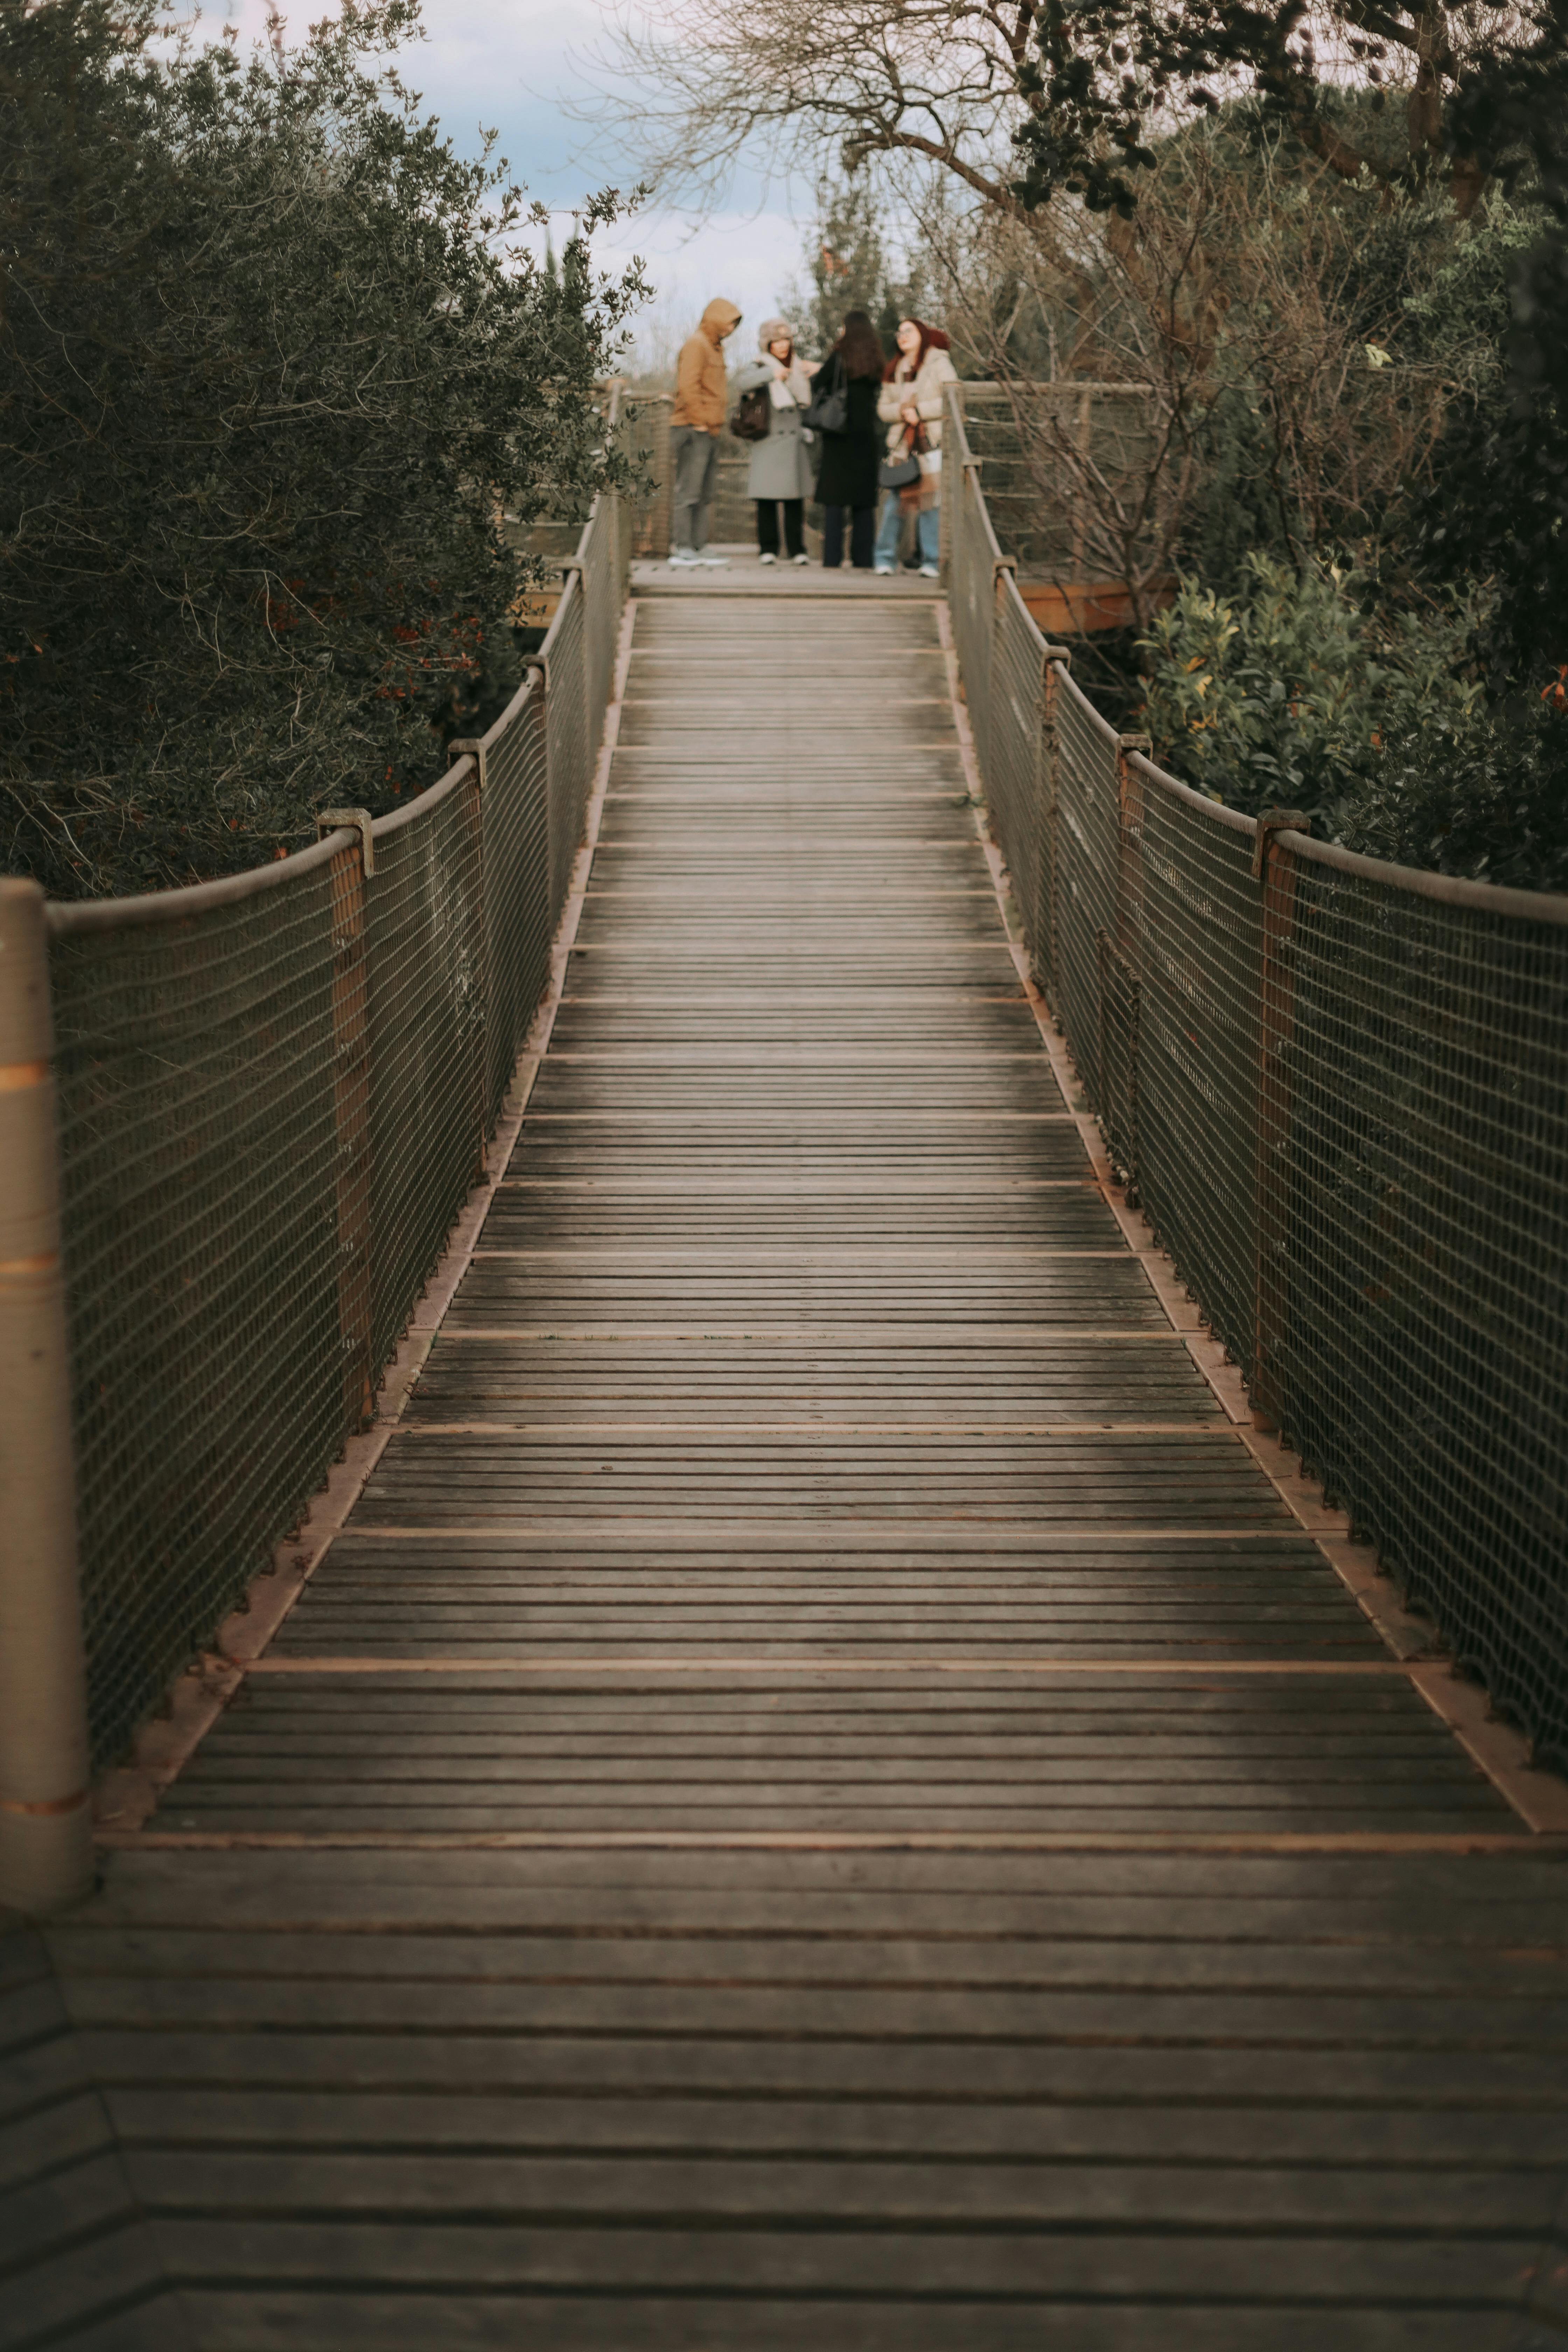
829 1789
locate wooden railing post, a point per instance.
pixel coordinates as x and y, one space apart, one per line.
473 808
472 747
1274 868
45 1814
350 872
1119 970
1130 843
1058 660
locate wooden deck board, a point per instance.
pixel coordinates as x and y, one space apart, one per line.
807 1469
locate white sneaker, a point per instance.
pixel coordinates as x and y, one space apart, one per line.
715 562
930 572
683 557
800 559
767 559
883 570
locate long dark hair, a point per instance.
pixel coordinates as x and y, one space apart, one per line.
859 348
932 339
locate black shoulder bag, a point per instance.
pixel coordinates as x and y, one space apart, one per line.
902 473
829 409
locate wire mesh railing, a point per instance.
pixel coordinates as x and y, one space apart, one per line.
1338 1091
275 1095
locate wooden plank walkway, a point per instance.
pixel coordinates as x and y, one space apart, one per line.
822 1798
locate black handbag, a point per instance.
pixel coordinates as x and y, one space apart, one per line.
899 473
903 473
829 410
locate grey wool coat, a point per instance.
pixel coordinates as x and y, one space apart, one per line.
781 465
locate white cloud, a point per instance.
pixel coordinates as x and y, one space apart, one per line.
512 65
749 260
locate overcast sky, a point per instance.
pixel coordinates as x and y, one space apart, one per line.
507 65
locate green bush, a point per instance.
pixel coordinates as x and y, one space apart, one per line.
1486 800
274 370
1286 694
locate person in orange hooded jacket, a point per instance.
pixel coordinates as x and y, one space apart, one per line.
695 421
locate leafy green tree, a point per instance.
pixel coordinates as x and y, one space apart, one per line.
275 372
1499 505
1486 800
1312 691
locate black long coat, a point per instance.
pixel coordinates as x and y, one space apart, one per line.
851 459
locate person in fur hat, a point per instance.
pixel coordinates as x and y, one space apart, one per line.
780 472
909 406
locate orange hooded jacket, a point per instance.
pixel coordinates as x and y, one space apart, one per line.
699 372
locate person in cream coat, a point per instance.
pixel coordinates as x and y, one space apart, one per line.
910 404
780 471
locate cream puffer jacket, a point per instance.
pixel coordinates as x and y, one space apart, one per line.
923 391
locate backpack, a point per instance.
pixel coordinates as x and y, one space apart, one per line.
752 419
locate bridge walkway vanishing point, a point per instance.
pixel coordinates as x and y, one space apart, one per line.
821 1796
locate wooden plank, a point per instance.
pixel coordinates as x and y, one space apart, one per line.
1442 2141
778 1952
104 2294
691 2190
1528 1886
342 2321
1327 2268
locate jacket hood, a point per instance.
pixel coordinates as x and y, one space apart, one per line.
719 315
775 330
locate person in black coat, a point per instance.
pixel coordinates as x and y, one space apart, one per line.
846 484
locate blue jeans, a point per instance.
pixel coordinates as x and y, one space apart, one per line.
928 531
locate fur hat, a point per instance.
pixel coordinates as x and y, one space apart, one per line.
775 330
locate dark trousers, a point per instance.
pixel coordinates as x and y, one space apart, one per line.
768 525
862 536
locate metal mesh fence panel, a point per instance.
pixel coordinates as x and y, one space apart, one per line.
647 438
601 608
624 519
1017 745
1089 851
199 1143
1341 1092
970 602
565 704
1416 1291
1063 464
425 932
275 1094
1198 944
517 883
642 424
